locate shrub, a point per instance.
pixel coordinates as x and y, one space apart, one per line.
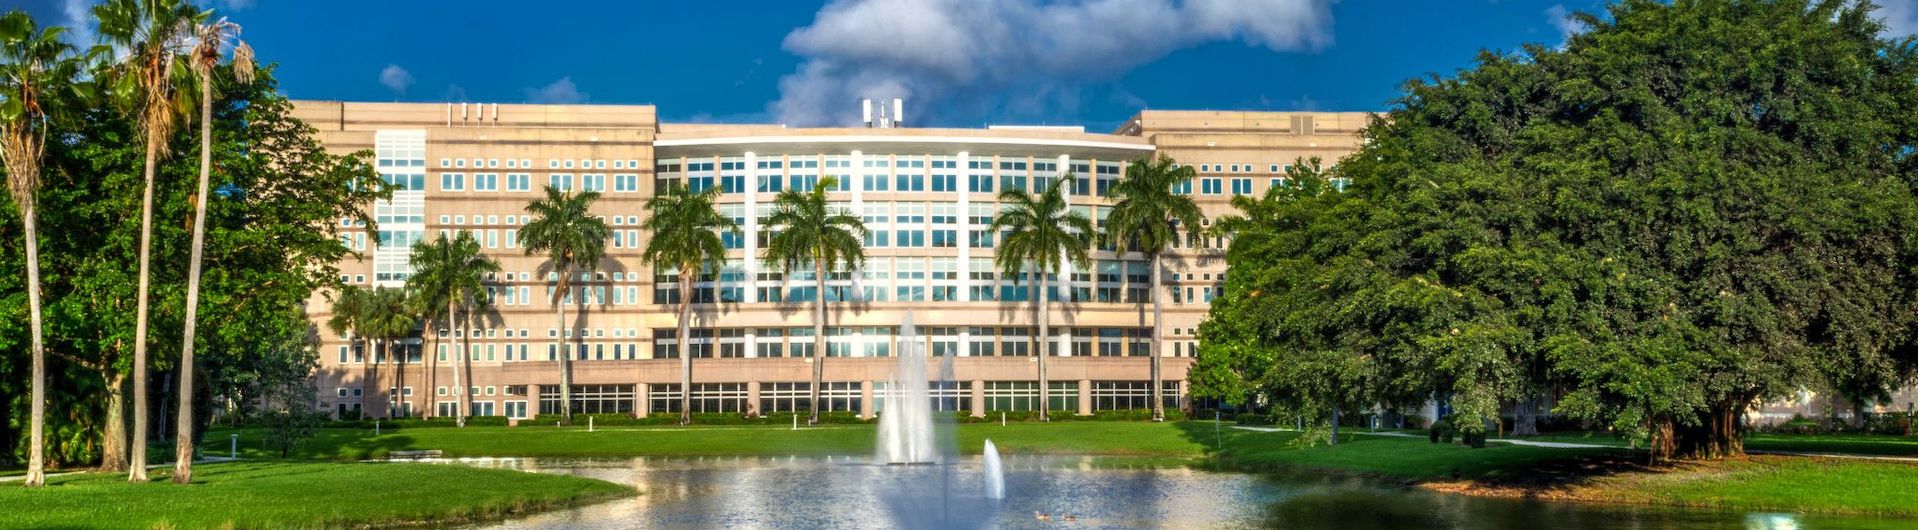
1250 418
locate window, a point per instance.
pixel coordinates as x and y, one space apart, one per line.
452 182
485 182
518 182
1211 186
561 181
625 183
1241 186
595 183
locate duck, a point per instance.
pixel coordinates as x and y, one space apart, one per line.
1041 516
1071 518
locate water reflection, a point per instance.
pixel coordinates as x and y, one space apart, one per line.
1067 492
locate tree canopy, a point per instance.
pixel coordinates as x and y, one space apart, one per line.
1691 207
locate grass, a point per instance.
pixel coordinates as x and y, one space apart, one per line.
1859 444
1077 438
1758 483
295 495
1387 456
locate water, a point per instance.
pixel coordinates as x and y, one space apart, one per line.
906 423
851 492
994 472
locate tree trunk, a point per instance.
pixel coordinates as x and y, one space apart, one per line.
137 466
113 451
37 444
459 359
685 345
818 339
183 422
1158 335
1045 343
432 375
565 357
369 377
1661 444
1716 436
1525 416
1335 425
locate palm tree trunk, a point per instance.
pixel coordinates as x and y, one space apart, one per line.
459 358
369 377
183 423
685 345
1158 334
565 357
818 338
432 376
1045 386
37 448
137 467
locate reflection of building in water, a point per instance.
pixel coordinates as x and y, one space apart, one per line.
926 195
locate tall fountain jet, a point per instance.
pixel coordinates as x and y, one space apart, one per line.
906 424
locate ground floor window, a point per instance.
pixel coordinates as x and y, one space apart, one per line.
516 409
1131 395
447 409
482 408
785 397
662 398
840 397
719 397
589 399
944 395
1024 395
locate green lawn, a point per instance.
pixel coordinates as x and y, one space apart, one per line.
1078 438
1769 483
1861 444
1391 456
295 495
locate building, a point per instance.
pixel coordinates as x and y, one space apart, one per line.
926 194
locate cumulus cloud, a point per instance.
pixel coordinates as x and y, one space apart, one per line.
561 91
77 16
1561 18
1900 17
396 78
1011 56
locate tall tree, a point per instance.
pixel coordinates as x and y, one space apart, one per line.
452 273
1041 231
205 58
686 228
155 35
573 240
35 68
350 308
1146 217
807 230
390 315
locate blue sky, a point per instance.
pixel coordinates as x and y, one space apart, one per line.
957 62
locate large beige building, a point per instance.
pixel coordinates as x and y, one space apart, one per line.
925 194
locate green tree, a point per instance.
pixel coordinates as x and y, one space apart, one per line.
573 240
686 228
1146 217
350 313
155 35
36 69
389 315
807 230
1040 232
451 272
204 59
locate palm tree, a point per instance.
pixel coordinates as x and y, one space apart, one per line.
205 59
1040 230
1146 216
564 228
349 316
388 316
685 235
453 273
154 35
806 230
35 65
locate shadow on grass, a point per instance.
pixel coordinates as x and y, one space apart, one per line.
1523 471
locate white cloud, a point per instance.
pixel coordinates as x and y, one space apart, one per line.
396 78
561 91
238 5
1900 17
1017 56
77 16
1561 18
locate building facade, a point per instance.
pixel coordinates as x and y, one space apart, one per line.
926 195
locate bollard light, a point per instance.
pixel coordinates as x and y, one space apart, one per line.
235 447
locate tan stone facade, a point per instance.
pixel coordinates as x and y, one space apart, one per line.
925 193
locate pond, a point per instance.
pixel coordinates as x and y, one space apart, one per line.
1066 492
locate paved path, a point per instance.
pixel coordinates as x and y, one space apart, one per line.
1556 445
202 460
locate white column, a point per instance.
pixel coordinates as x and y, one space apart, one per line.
964 186
752 227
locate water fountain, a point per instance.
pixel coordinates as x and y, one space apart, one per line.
995 473
906 424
